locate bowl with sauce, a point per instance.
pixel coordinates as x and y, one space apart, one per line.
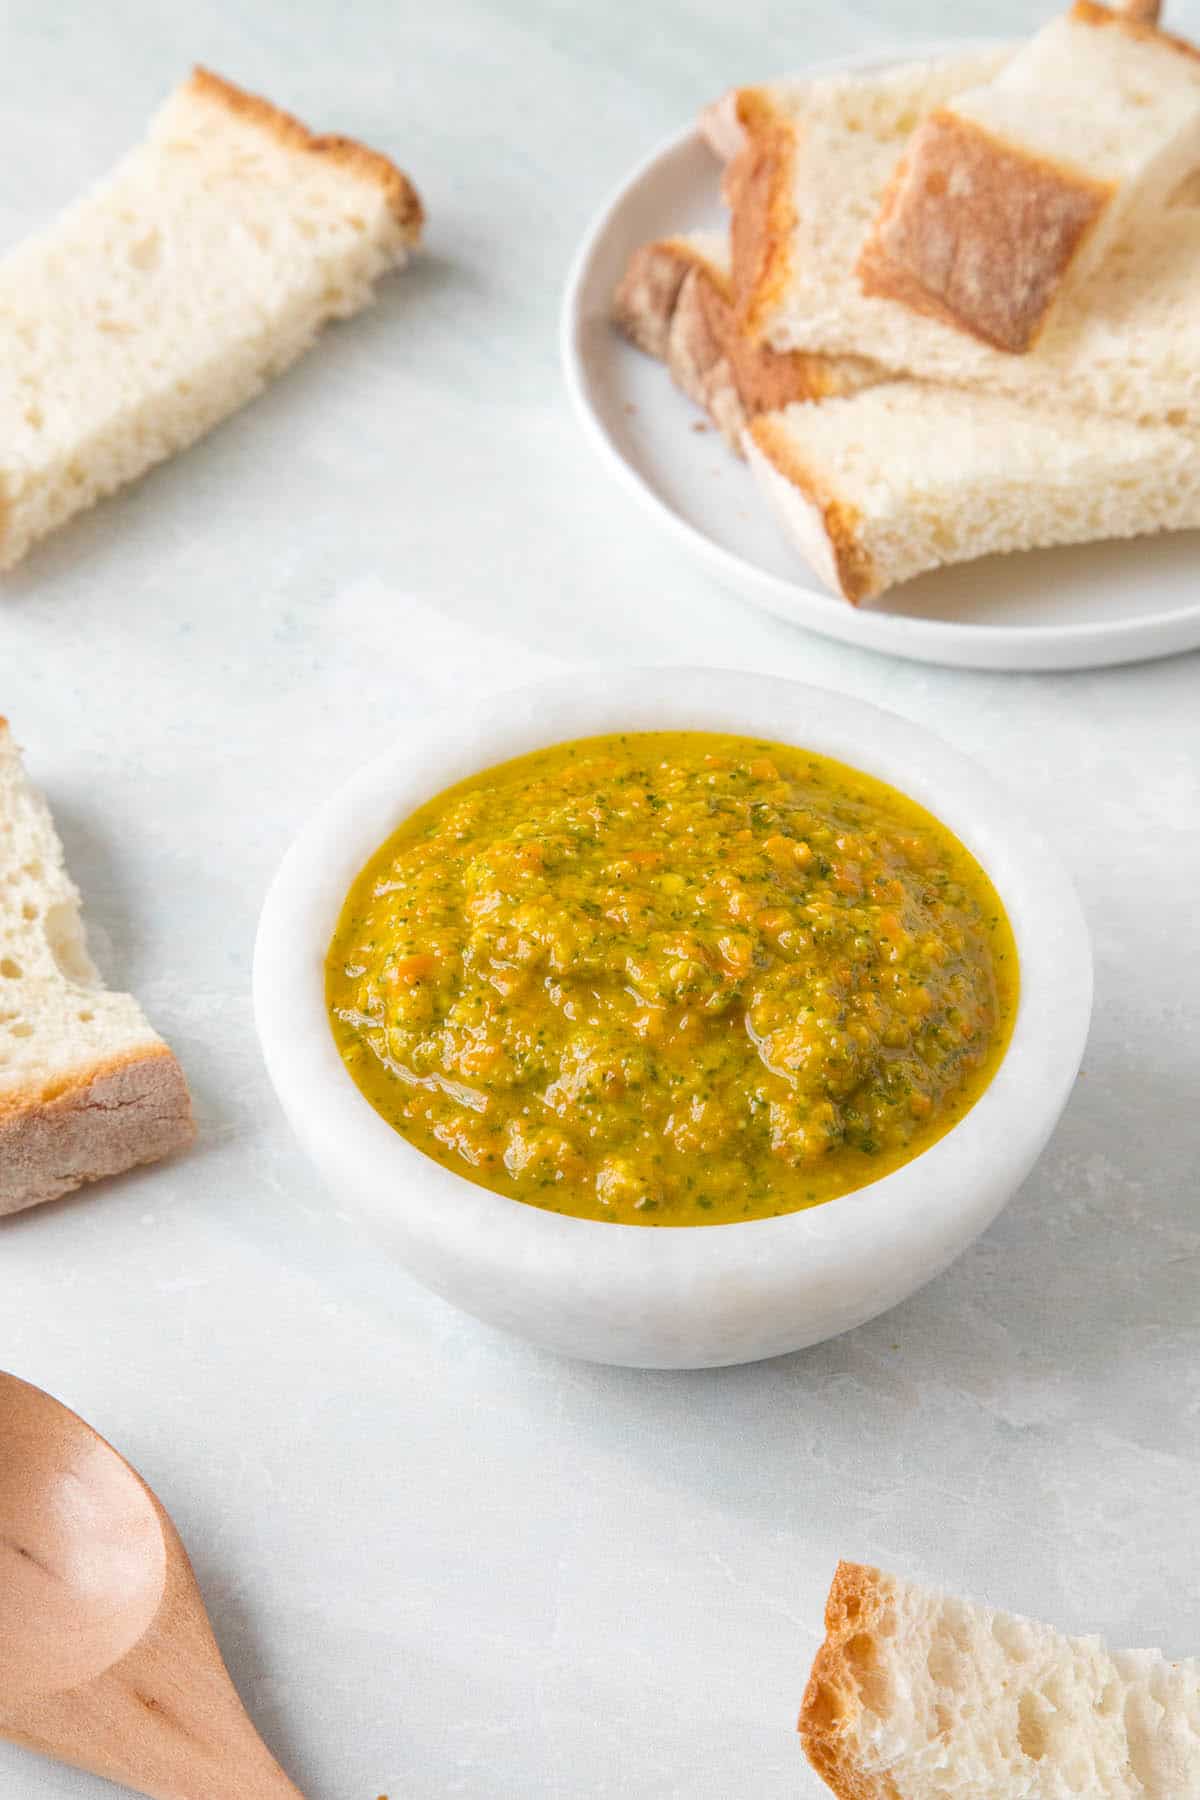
672 1018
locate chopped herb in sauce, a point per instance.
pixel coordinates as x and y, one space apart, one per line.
672 978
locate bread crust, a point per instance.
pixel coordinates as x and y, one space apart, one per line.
859 1598
758 189
99 1121
1139 22
979 234
678 306
857 576
357 159
648 292
768 379
698 354
982 234
720 126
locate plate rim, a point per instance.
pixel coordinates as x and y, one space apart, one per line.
948 642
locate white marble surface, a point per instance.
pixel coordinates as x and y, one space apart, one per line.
441 1563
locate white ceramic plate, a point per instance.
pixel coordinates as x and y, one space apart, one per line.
1050 609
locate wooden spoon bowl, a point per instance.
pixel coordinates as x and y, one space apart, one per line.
107 1658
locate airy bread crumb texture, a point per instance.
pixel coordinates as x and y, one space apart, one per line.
1016 188
878 487
915 1695
87 1087
170 294
1123 342
813 161
675 301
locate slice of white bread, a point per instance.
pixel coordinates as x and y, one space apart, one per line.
915 1695
813 161
675 302
807 190
731 122
726 124
1013 191
168 296
87 1088
648 292
878 487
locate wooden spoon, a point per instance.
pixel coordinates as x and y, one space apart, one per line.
107 1658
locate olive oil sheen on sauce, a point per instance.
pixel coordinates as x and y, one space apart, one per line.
672 978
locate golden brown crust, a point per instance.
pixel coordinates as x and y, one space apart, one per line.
676 305
758 191
755 110
858 1600
712 359
1136 21
16 1100
1188 191
857 575
697 356
126 1110
977 234
767 379
648 292
368 165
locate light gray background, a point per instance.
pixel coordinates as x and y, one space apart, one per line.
442 1563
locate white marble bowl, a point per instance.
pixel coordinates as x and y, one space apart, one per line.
682 1297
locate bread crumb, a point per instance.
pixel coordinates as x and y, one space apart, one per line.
120 366
699 425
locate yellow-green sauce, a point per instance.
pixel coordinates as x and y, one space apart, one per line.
672 978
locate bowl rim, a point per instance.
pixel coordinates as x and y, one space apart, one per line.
990 1149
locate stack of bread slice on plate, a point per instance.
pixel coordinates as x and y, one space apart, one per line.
954 312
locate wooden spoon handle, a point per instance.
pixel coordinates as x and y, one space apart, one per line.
170 1742
107 1658
165 1719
